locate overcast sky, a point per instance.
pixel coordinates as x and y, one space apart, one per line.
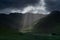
9 5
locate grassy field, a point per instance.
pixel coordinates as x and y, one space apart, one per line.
12 35
26 36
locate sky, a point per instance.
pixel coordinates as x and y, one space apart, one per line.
24 6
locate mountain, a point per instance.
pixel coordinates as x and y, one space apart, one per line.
49 24
10 21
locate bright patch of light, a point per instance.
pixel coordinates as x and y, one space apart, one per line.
40 8
27 9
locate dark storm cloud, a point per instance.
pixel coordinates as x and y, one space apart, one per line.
52 5
16 3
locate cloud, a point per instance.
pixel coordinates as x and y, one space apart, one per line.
37 8
52 5
24 6
16 3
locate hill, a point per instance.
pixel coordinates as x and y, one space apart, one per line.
49 24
